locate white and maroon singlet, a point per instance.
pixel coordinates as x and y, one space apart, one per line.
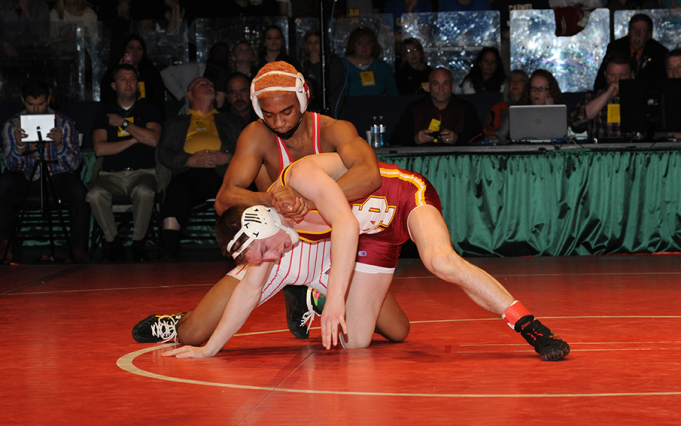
383 217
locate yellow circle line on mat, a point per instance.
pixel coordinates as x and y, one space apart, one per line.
126 363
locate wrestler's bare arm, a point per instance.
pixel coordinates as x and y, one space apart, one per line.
363 176
242 302
313 181
243 169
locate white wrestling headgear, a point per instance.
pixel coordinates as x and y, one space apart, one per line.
301 90
260 222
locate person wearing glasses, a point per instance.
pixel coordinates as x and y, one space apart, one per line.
412 75
543 89
646 55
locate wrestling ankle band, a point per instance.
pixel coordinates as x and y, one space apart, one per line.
514 312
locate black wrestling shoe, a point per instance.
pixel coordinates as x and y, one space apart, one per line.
114 251
302 303
139 252
549 346
294 296
157 328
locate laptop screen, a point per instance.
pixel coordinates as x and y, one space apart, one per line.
537 123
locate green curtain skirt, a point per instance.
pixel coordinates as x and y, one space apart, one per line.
562 202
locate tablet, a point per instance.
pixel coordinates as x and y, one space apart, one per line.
34 122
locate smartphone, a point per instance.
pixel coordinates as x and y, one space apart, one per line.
127 59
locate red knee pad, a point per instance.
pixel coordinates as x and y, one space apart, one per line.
514 312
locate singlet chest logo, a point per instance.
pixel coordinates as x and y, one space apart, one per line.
373 215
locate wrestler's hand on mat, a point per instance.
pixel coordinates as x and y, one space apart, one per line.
289 203
190 352
333 316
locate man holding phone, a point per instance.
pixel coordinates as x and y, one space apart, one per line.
63 157
438 119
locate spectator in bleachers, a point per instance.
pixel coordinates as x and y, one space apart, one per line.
674 64
543 89
244 59
647 56
311 68
239 98
125 134
168 14
598 112
150 83
68 12
63 160
439 118
23 22
516 93
197 148
486 75
273 47
463 5
177 78
413 74
368 74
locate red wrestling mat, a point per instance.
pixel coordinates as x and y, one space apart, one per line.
69 357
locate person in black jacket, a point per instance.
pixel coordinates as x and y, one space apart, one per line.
440 118
197 148
413 74
647 55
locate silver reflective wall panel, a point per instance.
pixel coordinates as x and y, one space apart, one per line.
573 61
453 39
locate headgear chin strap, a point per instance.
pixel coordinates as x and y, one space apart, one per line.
258 223
300 89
